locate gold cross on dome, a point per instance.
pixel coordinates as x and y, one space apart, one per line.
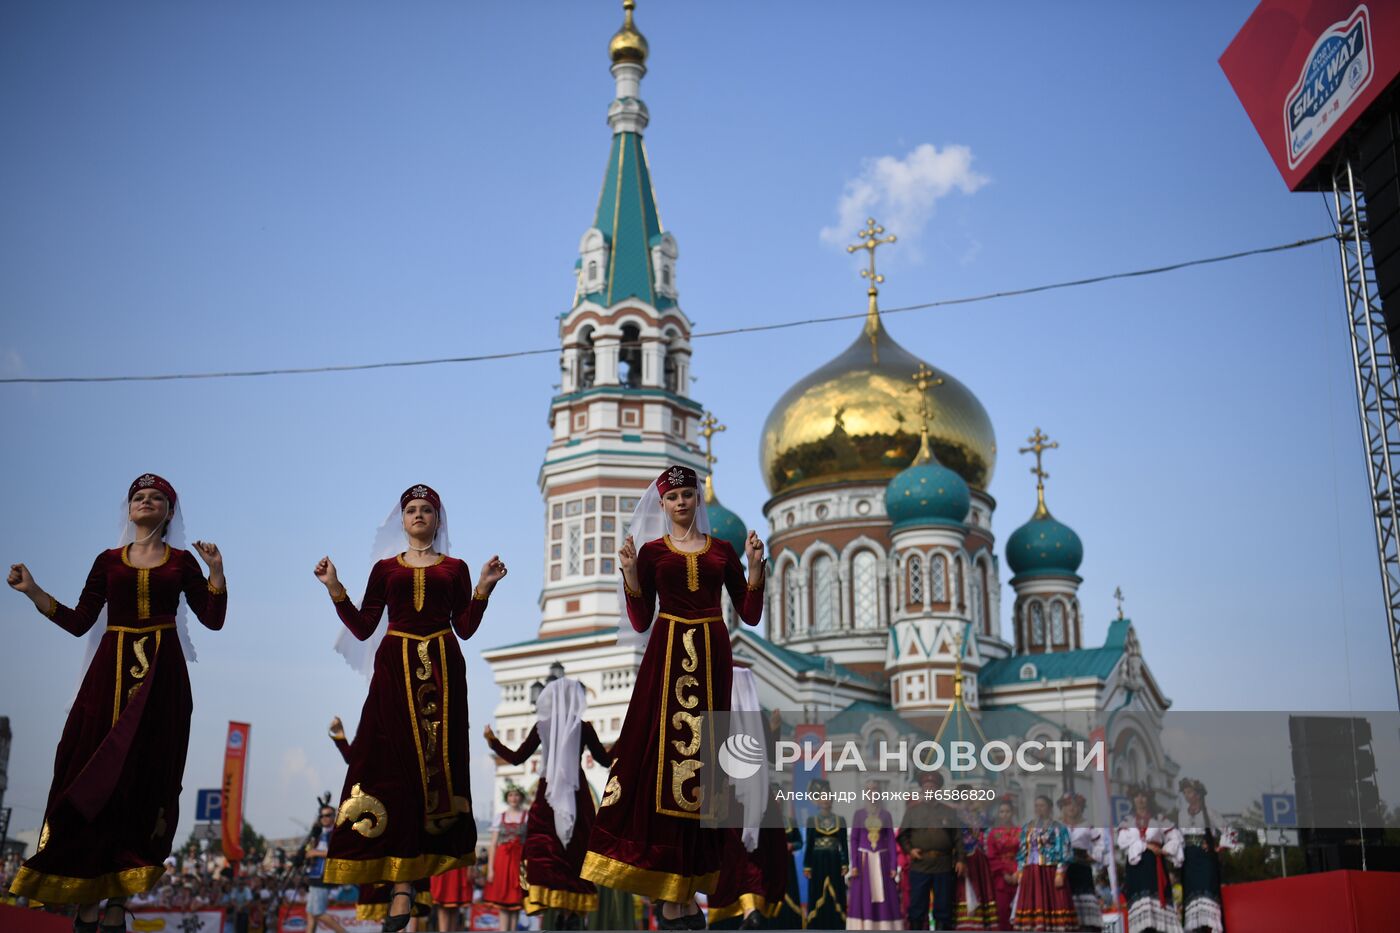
709 427
871 240
924 379
1039 443
1118 595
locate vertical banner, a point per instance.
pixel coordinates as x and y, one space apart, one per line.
1103 807
235 764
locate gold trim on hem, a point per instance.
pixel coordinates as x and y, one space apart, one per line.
658 885
739 908
540 898
392 868
380 911
61 889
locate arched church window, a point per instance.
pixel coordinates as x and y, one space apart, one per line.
592 271
792 622
666 276
1037 624
587 361
823 594
938 578
865 590
976 601
958 594
916 580
630 357
668 369
1057 623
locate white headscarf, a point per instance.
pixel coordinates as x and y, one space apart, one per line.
746 718
559 718
175 538
649 522
389 541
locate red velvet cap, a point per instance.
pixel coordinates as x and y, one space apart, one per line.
420 492
676 477
152 481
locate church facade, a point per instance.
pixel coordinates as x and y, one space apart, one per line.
884 596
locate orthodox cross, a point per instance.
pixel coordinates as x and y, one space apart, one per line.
709 427
924 379
871 240
1118 595
1039 443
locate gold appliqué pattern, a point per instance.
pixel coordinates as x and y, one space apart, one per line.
426 671
365 813
692 562
43 837
143 581
687 702
692 660
684 691
611 792
682 771
687 720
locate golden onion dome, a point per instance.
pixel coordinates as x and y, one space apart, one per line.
628 45
856 419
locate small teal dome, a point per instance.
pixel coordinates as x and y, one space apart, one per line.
727 526
1044 546
927 493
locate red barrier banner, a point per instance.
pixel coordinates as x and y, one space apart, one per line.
177 921
235 765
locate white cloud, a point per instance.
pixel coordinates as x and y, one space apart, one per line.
901 193
11 364
298 773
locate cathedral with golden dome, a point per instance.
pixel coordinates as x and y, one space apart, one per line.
885 580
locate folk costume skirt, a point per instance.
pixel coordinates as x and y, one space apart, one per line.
552 868
1040 905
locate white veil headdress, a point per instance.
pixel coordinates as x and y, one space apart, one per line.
175 538
649 522
389 541
746 718
559 718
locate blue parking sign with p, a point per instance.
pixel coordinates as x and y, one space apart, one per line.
1280 810
209 805
1120 808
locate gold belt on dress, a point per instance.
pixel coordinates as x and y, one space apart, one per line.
438 634
676 618
161 627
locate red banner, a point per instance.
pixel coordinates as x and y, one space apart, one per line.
235 766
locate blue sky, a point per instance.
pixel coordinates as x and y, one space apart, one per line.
198 188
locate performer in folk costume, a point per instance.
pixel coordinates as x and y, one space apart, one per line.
977 897
372 900
561 816
1042 862
753 875
115 797
1204 834
1148 842
1002 843
1089 851
790 915
405 812
825 859
872 901
648 837
504 889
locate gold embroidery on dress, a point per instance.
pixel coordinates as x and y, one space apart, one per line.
692 562
420 588
681 720
143 593
369 816
682 682
692 660
872 828
428 706
43 837
682 771
611 792
138 648
426 671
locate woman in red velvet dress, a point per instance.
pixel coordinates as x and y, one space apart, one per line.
561 816
405 811
648 837
1002 843
115 798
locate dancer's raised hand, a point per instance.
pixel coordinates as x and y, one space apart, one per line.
627 555
325 572
210 552
491 573
753 550
20 579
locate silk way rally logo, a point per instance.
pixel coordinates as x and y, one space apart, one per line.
741 756
1336 71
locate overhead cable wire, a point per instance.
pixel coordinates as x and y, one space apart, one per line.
754 328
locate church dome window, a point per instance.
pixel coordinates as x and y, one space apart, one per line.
865 590
1029 672
1037 614
938 577
824 606
1057 623
916 580
792 621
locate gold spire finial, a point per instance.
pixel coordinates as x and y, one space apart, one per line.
1118 595
924 379
628 45
870 240
709 427
1039 444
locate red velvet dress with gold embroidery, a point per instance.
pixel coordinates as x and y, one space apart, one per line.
115 798
648 837
405 811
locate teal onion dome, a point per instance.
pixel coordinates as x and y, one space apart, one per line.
724 524
926 493
1044 546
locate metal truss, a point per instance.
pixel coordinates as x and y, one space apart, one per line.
1376 389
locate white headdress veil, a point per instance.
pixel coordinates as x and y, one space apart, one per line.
175 537
389 541
745 717
559 718
649 522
